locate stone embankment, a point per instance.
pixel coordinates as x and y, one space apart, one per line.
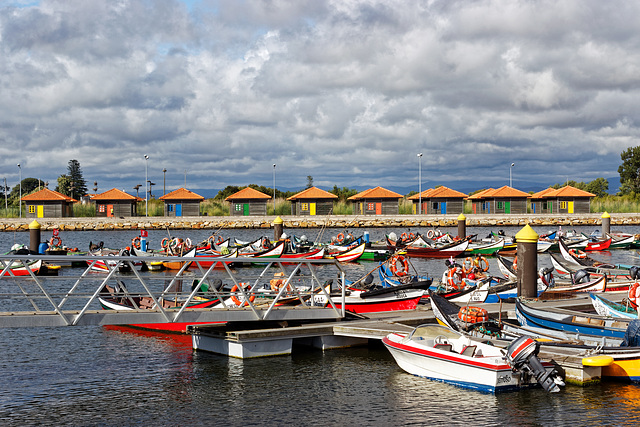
334 221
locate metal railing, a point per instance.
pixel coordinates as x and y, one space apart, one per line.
102 290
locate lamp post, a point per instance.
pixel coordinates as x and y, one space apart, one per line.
274 188
164 181
185 179
20 198
510 182
420 183
146 180
6 205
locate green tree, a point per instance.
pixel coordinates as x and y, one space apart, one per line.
343 193
629 171
29 185
72 184
598 186
309 182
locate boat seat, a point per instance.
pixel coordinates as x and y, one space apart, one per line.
468 350
443 347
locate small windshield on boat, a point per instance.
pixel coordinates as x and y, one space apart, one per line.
432 331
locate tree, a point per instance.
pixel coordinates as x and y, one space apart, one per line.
309 182
598 186
629 171
29 185
79 185
343 193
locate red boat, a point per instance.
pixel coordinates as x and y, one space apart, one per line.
17 269
601 245
357 301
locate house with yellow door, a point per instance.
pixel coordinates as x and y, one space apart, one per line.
48 204
565 200
312 201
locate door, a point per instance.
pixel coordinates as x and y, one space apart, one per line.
245 209
312 208
570 207
110 210
178 209
378 208
550 207
443 208
533 207
40 213
507 207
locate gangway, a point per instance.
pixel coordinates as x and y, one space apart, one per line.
72 298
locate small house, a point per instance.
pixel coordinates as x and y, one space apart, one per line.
504 200
565 200
440 200
182 202
376 201
48 204
248 201
312 201
116 203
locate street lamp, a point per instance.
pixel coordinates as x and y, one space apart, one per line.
20 198
146 180
164 181
274 188
420 183
510 182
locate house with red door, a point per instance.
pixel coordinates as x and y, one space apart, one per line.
565 200
439 200
116 203
376 201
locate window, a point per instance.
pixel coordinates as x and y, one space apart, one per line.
170 208
563 205
499 205
101 208
238 207
371 206
544 205
32 208
434 205
304 206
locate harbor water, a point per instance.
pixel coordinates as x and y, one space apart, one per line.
122 376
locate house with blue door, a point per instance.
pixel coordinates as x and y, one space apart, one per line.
565 200
248 201
182 202
440 200
503 200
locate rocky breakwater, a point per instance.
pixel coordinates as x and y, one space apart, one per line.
333 221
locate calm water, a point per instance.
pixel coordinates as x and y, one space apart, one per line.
119 376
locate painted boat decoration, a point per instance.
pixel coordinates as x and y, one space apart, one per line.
17 269
604 307
601 245
349 255
485 248
360 301
441 354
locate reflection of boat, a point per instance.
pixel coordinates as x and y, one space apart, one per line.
439 353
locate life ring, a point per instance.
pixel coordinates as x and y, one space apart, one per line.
403 270
515 263
187 242
578 253
431 234
237 301
471 314
634 295
467 265
164 242
135 242
55 241
454 278
219 240
481 263
277 284
340 238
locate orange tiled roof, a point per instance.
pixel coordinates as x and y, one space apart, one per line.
115 194
542 194
182 194
376 193
425 194
505 191
481 194
313 193
569 191
442 192
248 193
47 195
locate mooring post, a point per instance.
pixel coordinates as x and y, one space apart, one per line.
462 226
34 236
277 228
606 224
527 265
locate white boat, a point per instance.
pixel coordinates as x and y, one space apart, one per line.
439 353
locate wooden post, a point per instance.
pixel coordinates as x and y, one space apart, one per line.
462 226
606 224
34 236
277 228
527 253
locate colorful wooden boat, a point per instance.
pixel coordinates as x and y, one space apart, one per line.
485 248
349 255
360 301
604 307
18 269
600 245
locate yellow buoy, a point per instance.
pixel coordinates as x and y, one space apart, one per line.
597 360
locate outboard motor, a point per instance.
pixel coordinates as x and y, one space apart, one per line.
581 276
547 276
634 272
522 354
632 334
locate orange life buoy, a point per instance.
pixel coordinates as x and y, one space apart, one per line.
219 240
482 263
578 253
135 242
473 314
340 237
454 278
515 263
165 242
237 301
431 234
55 241
634 295
401 270
277 284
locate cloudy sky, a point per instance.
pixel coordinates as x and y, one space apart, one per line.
348 92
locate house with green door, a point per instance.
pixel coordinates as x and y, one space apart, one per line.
440 200
565 200
312 201
182 202
248 201
503 200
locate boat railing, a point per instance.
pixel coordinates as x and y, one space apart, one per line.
31 297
